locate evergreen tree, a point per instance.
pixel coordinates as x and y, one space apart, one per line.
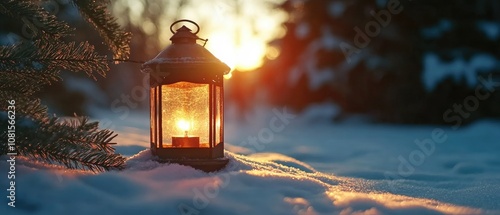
35 60
382 74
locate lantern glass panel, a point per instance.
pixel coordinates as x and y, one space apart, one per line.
153 116
185 114
218 115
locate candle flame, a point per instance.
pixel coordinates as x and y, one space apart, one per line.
183 124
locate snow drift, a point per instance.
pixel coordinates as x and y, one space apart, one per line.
257 184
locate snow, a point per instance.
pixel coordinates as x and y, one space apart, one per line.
490 29
336 9
9 39
308 62
328 39
319 77
381 3
437 30
149 187
436 71
311 166
302 30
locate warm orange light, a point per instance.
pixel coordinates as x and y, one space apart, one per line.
244 55
184 125
228 76
238 31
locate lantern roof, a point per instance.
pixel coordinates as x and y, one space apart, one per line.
184 35
185 53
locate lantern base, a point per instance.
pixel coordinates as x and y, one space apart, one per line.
206 165
186 142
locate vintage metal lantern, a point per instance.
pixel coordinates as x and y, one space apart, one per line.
187 102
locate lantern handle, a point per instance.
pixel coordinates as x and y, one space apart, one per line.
185 20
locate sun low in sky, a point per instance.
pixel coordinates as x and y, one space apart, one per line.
238 31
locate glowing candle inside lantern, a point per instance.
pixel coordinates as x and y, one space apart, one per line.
183 125
185 141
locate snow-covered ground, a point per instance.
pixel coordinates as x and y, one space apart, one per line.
285 164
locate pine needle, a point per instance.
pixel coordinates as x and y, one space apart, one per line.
96 13
35 18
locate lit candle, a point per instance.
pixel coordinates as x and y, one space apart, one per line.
185 141
184 126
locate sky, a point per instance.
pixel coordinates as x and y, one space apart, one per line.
238 32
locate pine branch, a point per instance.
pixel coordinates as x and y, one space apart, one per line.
24 84
69 143
38 20
25 105
43 56
94 137
37 61
96 13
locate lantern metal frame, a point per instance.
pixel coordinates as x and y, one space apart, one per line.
186 61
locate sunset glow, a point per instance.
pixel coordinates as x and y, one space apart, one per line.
244 56
238 32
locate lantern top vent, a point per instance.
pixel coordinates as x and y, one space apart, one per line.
184 53
184 34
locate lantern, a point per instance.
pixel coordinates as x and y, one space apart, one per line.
187 102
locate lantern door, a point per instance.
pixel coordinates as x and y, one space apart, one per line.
186 115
